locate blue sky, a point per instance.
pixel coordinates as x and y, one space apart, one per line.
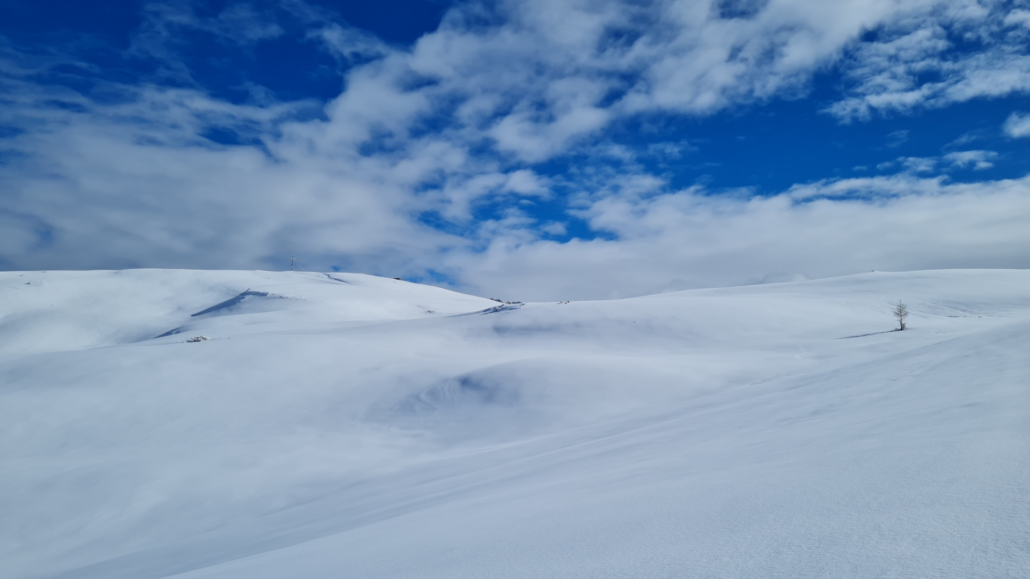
531 149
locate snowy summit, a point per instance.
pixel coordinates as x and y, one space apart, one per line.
262 425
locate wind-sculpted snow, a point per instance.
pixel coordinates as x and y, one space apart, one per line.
380 429
229 303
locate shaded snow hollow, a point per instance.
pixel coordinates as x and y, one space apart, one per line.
337 426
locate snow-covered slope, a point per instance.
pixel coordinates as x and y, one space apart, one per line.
62 310
350 426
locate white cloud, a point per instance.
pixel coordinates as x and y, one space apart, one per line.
526 182
554 228
897 138
1018 18
350 43
918 164
569 68
1017 125
978 160
690 239
910 164
165 26
955 52
132 181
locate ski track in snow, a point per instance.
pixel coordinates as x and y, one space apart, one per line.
346 425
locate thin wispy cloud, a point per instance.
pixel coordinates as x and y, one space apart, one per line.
978 160
934 54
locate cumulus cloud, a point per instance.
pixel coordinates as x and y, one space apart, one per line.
1018 17
1017 125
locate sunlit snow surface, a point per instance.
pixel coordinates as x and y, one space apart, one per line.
337 426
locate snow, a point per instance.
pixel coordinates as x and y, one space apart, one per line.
345 425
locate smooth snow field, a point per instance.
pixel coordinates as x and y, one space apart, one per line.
349 426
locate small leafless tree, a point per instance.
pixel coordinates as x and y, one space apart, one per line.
901 312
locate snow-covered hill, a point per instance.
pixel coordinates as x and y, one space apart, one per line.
343 425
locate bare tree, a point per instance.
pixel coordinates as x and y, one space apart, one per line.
901 312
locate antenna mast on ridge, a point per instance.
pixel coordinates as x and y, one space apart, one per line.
291 264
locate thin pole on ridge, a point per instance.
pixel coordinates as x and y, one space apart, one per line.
291 263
